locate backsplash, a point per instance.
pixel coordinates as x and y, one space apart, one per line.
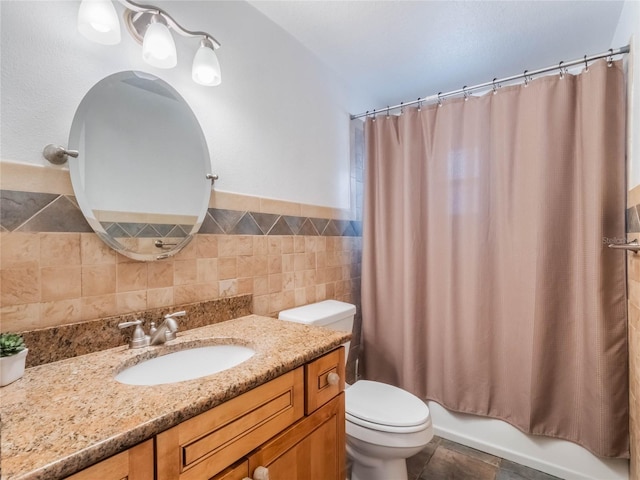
57 343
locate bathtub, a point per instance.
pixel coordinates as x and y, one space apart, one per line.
556 457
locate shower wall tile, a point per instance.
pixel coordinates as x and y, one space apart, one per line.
633 287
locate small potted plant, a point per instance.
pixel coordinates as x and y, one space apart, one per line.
13 355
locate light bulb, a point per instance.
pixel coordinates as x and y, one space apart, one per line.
98 22
206 68
158 47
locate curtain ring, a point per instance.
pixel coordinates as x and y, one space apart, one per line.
527 78
387 111
562 69
419 104
586 64
610 58
495 86
401 108
439 99
466 94
373 115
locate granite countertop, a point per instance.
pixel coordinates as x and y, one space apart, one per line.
64 416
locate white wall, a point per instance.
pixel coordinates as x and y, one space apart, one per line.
277 127
628 27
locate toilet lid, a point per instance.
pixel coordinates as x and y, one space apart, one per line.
382 404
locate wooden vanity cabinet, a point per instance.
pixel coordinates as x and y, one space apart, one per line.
136 463
292 427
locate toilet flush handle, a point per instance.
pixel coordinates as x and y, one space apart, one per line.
333 378
261 473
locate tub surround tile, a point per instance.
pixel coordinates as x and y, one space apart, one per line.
47 443
61 342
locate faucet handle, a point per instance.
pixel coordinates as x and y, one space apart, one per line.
139 339
181 313
172 325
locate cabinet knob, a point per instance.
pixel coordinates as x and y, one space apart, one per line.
261 473
333 378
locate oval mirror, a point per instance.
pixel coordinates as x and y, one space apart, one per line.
141 175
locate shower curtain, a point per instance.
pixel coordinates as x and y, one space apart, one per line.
486 284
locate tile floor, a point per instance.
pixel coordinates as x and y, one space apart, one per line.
446 460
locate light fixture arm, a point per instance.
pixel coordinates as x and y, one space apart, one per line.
139 8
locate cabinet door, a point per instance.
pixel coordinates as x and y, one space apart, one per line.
312 449
239 471
133 464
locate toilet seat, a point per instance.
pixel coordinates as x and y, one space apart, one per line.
385 408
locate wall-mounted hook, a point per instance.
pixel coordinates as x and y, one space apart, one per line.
57 154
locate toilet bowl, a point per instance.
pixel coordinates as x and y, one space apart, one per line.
384 424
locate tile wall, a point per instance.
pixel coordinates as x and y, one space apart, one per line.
54 271
633 285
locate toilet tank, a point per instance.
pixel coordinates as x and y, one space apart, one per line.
329 314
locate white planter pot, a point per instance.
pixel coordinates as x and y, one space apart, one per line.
12 367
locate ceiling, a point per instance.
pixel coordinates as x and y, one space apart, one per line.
401 50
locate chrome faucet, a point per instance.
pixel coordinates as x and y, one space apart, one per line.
157 336
166 331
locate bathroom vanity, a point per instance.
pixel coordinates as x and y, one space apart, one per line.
278 415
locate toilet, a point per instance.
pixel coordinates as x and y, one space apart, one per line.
384 424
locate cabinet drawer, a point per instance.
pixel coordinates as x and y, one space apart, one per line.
324 379
133 464
204 445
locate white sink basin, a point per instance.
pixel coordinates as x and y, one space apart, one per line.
185 365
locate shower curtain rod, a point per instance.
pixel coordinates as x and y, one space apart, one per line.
527 75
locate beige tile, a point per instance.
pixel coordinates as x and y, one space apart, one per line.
275 264
135 301
321 259
92 308
206 246
244 244
331 290
317 211
300 296
634 292
276 301
234 201
310 293
18 318
298 262
227 268
279 207
245 286
321 292
188 252
275 283
321 275
261 304
321 244
131 276
185 272
59 249
287 244
20 285
160 297
310 244
634 315
288 299
19 248
60 283
309 278
274 245
98 280
288 262
260 265
245 266
227 246
160 273
309 261
207 269
228 288
194 293
298 244
260 245
260 285
61 312
34 178
633 196
95 251
288 281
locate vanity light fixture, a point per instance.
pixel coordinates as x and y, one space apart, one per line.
151 27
